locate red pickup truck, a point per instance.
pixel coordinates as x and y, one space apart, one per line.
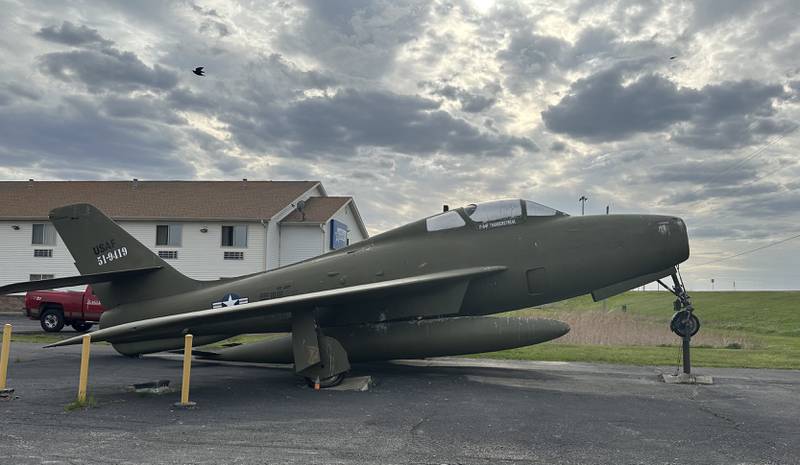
54 309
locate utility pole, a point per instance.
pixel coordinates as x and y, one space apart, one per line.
583 200
608 207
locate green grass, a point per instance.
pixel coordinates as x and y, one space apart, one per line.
43 338
77 404
643 355
762 312
770 319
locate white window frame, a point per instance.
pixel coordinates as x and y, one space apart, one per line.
48 234
174 235
233 236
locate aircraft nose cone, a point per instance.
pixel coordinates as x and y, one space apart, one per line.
671 234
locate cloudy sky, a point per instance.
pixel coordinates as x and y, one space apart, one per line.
408 105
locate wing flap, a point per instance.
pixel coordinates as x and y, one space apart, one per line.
184 322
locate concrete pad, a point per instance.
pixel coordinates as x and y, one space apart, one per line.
355 383
181 406
684 378
153 387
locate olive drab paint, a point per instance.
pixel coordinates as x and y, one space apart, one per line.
420 289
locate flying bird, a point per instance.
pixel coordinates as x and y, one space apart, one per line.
199 71
673 57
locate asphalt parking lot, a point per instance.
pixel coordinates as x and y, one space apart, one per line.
24 325
432 412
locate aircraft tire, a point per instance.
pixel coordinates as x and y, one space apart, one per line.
81 326
330 381
679 327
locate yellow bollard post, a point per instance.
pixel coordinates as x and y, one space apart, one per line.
187 370
4 352
84 376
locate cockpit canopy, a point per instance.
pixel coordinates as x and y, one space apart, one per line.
494 213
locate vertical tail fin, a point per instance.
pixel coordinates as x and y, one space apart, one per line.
100 245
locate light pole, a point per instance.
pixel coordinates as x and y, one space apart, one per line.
583 200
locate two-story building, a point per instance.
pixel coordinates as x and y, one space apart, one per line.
205 229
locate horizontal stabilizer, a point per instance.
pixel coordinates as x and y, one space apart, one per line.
619 288
74 280
184 322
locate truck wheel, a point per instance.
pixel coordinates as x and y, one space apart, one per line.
81 326
52 320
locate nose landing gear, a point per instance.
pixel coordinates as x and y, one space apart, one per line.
685 324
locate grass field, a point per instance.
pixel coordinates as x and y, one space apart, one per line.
739 329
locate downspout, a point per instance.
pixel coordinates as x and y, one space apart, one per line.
266 241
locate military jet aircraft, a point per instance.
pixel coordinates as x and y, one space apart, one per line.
416 291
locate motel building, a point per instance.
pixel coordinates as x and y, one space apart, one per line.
205 229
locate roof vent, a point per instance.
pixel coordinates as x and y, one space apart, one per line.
135 183
244 179
30 182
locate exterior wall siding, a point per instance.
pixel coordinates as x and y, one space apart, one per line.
200 255
346 216
299 243
275 231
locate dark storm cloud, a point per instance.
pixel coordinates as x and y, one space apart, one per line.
357 37
602 107
710 172
471 101
338 125
77 136
141 107
530 57
106 70
709 13
71 34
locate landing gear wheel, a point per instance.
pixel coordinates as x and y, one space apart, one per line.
331 381
52 320
684 323
81 326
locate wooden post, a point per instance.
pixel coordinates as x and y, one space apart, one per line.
84 375
4 355
187 370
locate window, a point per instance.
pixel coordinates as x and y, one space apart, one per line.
495 210
39 277
43 253
448 220
233 255
168 234
43 234
537 209
168 254
234 236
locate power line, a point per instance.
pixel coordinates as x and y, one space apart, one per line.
751 250
755 153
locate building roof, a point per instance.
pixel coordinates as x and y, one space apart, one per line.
317 210
140 200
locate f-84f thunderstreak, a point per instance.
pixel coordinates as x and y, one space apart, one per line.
416 291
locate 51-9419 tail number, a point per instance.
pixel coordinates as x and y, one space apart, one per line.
112 255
